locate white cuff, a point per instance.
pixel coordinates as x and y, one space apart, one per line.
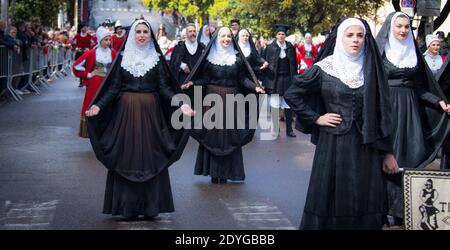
89 76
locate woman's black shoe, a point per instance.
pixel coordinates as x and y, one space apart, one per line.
222 181
215 180
290 134
131 218
398 221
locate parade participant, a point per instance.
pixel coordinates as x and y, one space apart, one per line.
131 133
119 36
235 25
82 42
306 53
281 56
443 78
418 129
92 68
431 56
204 35
248 48
343 101
223 70
185 55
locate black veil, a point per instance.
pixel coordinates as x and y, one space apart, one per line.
432 117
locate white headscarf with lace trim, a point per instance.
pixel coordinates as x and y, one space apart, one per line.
138 60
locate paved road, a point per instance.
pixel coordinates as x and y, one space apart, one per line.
50 178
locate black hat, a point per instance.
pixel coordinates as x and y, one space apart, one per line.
235 21
282 28
325 32
80 26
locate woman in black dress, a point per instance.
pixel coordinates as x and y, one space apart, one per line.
223 70
130 130
343 102
418 104
248 48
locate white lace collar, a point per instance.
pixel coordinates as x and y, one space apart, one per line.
103 55
139 60
246 49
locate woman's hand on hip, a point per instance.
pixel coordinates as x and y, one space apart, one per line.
329 120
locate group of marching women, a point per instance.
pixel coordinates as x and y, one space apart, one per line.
372 106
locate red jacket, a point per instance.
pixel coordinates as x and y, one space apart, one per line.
301 56
87 42
116 41
81 68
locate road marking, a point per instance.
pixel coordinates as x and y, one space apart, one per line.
27 215
257 215
162 222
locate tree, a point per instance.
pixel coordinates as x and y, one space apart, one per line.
262 15
436 23
189 8
47 11
308 15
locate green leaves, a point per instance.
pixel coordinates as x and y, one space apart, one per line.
46 10
260 16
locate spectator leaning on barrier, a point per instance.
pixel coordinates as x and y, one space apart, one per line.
6 39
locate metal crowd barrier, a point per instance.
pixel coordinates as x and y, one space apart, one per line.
40 68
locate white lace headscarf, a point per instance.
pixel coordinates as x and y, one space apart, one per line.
401 53
205 38
138 60
219 55
348 68
308 46
102 55
245 47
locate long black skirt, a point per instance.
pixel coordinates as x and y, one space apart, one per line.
413 147
220 152
229 166
346 188
127 198
138 147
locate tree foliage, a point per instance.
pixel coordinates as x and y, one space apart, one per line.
47 11
262 15
189 8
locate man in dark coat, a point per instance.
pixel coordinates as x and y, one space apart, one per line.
185 55
235 26
281 56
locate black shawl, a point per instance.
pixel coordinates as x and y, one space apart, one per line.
97 124
443 77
